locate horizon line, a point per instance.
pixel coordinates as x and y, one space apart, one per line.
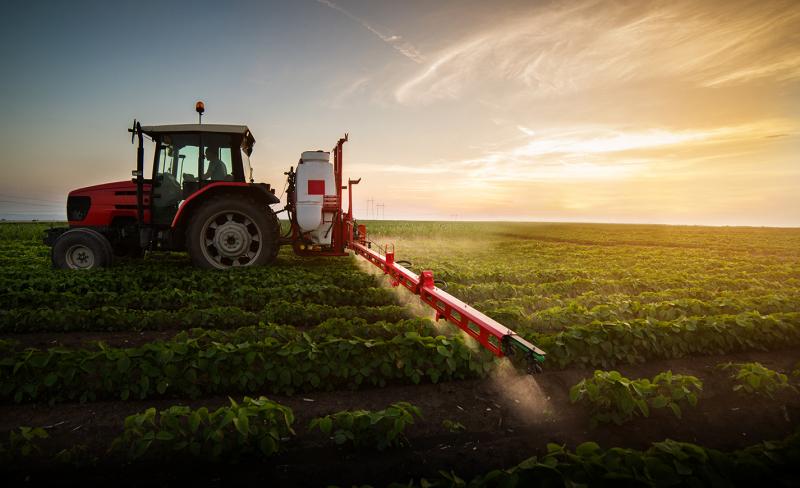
563 222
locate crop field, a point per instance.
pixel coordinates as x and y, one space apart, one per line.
673 357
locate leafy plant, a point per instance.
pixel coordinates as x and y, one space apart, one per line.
257 425
22 442
453 426
670 390
364 428
77 456
614 398
756 379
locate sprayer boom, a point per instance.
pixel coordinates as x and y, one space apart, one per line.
492 335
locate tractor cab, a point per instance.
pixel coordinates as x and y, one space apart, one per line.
189 157
197 198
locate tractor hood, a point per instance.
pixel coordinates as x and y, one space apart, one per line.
125 185
101 205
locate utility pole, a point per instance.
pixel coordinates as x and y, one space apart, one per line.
381 214
370 207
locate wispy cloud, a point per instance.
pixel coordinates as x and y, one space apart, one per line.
355 87
397 42
599 153
558 49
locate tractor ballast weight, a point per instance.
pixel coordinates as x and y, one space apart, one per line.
224 221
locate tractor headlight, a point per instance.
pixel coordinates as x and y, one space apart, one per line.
78 208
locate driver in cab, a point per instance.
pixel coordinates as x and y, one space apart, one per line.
216 168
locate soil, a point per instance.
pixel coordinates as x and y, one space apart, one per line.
508 417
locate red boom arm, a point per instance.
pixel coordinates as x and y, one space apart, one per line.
492 335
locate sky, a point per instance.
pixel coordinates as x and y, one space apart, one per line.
678 112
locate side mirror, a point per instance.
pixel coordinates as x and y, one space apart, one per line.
132 130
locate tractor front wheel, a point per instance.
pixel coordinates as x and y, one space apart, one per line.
229 232
81 248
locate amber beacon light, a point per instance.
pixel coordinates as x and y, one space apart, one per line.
200 107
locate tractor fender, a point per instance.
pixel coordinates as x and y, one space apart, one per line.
259 192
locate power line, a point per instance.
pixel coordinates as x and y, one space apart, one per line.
370 208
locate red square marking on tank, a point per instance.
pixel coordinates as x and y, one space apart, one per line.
316 187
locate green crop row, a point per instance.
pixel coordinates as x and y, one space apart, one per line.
261 425
194 367
159 311
558 317
363 428
244 297
608 235
631 285
107 318
636 341
509 271
597 345
522 262
531 304
665 464
335 328
160 274
255 425
252 426
348 353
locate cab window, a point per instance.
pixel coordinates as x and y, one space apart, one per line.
178 159
175 174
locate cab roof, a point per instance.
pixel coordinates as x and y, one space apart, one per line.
247 137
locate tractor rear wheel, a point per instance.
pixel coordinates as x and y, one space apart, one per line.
232 231
81 248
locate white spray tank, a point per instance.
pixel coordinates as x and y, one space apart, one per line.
314 180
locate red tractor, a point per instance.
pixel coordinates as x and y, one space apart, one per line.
197 199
